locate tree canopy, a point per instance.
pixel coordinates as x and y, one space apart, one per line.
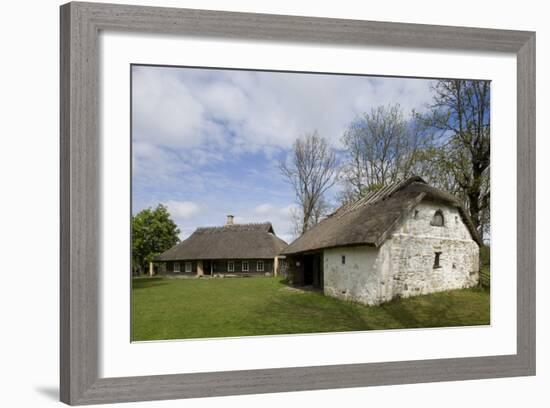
153 232
381 147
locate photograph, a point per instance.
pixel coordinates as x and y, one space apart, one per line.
277 202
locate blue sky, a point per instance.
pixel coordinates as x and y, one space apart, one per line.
207 143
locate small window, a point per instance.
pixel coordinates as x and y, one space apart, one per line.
260 266
437 259
245 266
343 259
437 220
188 267
177 267
230 266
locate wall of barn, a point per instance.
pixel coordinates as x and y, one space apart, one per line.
404 265
411 269
356 278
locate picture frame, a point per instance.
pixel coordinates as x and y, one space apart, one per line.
80 154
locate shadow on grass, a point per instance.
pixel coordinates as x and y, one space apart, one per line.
305 310
312 312
398 311
443 309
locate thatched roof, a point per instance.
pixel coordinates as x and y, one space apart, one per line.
237 241
372 219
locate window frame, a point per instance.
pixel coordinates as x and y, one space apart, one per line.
258 262
243 263
190 264
232 268
178 269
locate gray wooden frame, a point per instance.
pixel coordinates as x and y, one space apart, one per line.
80 234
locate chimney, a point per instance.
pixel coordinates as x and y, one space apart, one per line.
229 220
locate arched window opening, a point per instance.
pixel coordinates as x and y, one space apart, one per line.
438 220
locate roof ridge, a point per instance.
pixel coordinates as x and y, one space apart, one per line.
374 197
245 226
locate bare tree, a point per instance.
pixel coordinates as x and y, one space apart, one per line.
382 147
461 111
296 219
311 170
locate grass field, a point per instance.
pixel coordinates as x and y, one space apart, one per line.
200 308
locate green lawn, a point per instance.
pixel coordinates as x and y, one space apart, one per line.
195 308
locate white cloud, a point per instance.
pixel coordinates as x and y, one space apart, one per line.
151 161
245 111
166 113
225 101
183 210
264 209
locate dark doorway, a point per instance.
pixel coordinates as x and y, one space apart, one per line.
313 271
207 267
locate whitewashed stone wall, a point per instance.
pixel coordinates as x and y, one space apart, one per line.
358 279
404 265
413 247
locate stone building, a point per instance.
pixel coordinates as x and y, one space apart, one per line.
404 240
232 249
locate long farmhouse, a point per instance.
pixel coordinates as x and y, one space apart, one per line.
231 249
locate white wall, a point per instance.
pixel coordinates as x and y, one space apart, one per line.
29 204
357 279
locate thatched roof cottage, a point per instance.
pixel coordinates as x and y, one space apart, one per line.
403 240
232 249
